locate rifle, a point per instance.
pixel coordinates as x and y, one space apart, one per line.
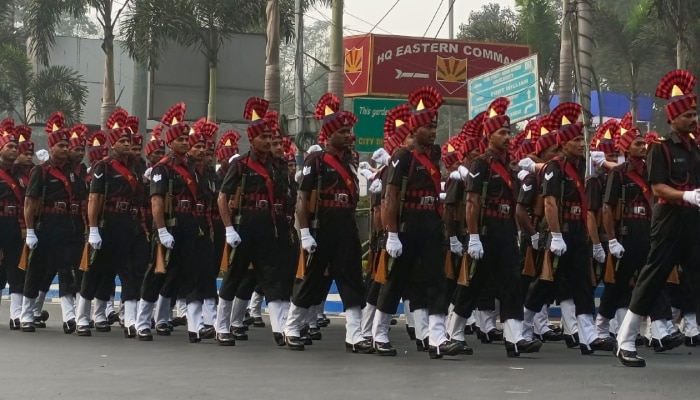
463 278
385 266
314 208
92 253
529 267
482 229
162 253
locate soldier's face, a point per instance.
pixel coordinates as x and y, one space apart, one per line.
340 139
425 135
209 157
686 122
292 168
638 148
9 152
156 156
136 150
59 151
500 140
262 143
276 147
576 146
25 158
197 151
180 145
76 154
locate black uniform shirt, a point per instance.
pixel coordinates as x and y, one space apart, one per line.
7 189
42 182
528 191
498 191
79 178
403 163
255 183
554 176
617 179
163 171
330 178
105 175
595 188
682 171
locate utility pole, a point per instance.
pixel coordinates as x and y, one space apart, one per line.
565 55
299 83
451 28
139 95
337 55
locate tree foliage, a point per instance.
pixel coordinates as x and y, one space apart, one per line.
26 96
492 24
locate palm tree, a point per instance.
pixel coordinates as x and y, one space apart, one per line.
626 36
584 47
566 63
678 15
26 96
42 18
540 29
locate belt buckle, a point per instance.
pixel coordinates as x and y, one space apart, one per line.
121 205
575 210
74 207
427 200
199 207
134 211
639 210
504 208
59 205
184 204
342 197
277 208
10 209
262 204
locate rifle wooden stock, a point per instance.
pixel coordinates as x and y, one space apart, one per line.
529 265
382 266
547 273
160 259
301 266
674 277
463 278
84 264
449 266
23 258
609 270
224 259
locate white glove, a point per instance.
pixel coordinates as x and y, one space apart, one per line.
94 239
454 175
535 240
42 155
88 170
598 253
364 165
558 246
233 157
368 174
526 164
31 239
393 245
692 197
314 149
522 174
442 186
597 158
166 239
297 177
463 172
475 248
376 186
147 173
616 248
442 196
307 241
232 237
456 246
381 157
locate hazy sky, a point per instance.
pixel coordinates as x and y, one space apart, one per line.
408 18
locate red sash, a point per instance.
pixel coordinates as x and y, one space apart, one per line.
431 168
191 184
636 178
349 181
11 182
262 171
573 174
59 175
124 171
501 170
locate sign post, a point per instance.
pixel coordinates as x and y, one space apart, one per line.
371 113
518 81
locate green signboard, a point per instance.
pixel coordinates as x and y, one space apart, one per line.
371 113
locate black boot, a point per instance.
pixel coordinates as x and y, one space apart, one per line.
294 343
384 349
629 358
572 340
225 339
14 324
27 327
69 326
130 332
523 346
422 345
39 323
103 326
239 333
258 322
466 350
145 335
279 339
315 334
162 330
494 335
607 344
550 336
446 348
84 330
363 347
411 332
207 333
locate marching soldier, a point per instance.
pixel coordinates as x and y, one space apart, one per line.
414 175
674 177
330 182
173 194
50 211
11 219
256 184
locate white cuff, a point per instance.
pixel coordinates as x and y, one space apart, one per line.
94 229
556 235
30 231
474 236
162 231
229 230
305 232
393 236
